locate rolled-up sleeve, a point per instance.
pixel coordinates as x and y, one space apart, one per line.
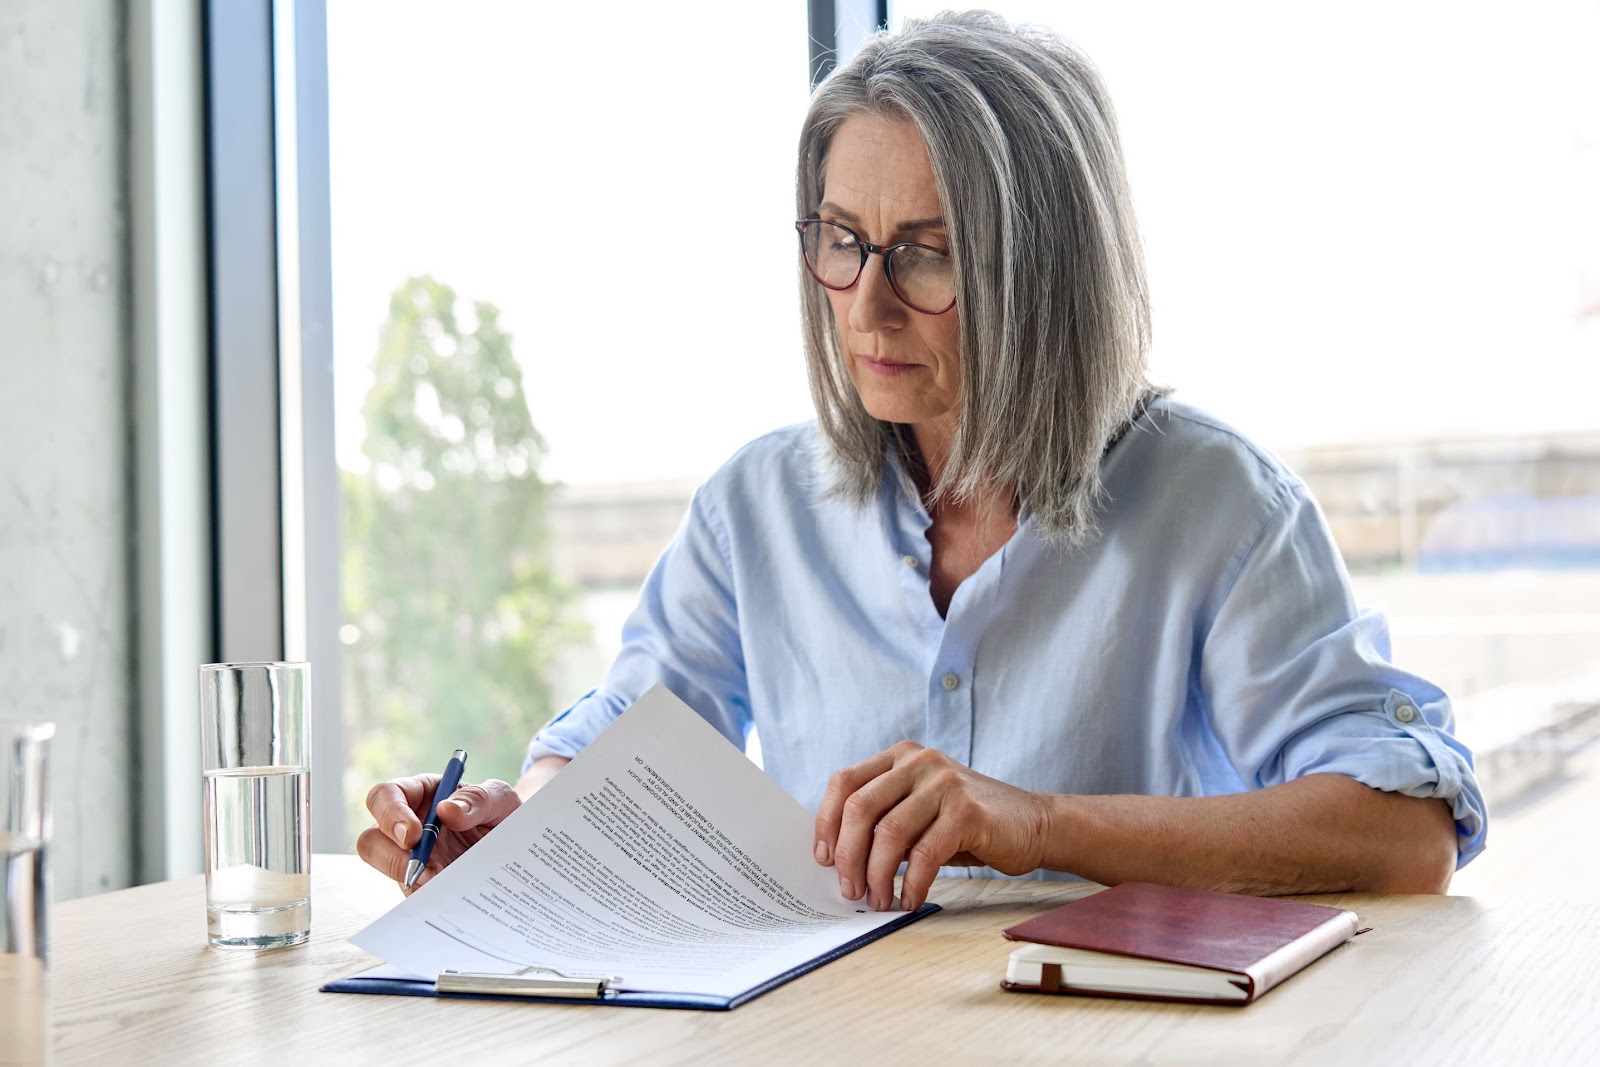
684 634
1298 682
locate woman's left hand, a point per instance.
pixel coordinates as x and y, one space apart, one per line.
917 805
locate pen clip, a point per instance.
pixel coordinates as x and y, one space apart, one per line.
530 981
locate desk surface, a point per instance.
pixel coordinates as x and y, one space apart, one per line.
1438 980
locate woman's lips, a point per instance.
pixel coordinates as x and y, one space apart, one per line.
889 368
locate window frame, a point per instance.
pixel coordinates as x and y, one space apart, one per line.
274 482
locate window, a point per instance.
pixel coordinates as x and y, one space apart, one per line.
564 284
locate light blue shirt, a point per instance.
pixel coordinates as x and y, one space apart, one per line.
1205 642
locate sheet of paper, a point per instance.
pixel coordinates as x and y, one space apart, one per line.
661 855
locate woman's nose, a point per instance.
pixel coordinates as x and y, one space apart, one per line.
873 305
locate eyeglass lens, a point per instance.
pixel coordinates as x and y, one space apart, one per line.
922 277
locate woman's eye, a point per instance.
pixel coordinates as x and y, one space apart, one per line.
921 259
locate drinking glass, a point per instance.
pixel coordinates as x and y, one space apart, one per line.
255 727
24 884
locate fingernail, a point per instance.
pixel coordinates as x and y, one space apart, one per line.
822 853
874 902
400 834
847 890
465 804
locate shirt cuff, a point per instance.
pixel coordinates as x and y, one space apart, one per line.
568 733
1405 747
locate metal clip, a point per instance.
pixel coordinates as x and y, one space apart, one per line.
532 981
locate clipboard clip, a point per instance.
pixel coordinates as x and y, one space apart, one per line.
531 981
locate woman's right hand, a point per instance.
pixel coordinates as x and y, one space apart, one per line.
398 808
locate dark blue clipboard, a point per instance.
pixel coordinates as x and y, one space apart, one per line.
627 998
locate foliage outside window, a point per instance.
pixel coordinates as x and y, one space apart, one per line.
453 617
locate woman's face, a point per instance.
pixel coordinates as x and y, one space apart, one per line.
906 365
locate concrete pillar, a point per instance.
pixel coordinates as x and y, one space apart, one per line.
66 544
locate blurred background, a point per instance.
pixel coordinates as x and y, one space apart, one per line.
1373 246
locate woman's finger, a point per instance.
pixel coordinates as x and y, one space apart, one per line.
382 854
858 824
395 806
478 804
938 843
896 832
840 787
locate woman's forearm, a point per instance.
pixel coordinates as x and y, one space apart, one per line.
1319 834
544 768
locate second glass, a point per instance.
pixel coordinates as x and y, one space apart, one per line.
24 889
255 723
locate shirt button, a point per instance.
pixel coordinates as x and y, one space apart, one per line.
950 681
911 561
1405 713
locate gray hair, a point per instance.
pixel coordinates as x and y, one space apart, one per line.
1050 284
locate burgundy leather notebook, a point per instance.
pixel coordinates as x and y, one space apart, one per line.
1159 942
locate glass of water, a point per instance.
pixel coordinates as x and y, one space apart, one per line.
24 886
255 735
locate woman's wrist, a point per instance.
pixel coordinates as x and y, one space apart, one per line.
1058 822
544 768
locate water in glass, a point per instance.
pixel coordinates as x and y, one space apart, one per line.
258 849
23 895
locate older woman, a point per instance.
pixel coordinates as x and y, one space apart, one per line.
1004 607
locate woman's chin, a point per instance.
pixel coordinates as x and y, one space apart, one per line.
921 418
900 413
893 405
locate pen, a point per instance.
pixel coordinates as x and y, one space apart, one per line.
430 826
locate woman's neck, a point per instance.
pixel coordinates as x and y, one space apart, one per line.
962 533
990 505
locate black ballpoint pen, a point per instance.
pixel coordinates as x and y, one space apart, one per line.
430 826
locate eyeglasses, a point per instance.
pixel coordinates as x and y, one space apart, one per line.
923 278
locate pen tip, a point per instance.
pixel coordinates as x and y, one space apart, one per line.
413 872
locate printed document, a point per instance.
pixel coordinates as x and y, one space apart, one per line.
661 855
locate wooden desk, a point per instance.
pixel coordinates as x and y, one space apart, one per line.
1439 980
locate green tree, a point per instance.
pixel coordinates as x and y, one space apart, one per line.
456 615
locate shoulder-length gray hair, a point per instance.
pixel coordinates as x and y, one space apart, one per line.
1050 284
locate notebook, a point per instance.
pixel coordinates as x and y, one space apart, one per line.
1156 942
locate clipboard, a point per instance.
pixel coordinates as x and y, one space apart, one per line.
544 985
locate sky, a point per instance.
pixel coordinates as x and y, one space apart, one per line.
1369 221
